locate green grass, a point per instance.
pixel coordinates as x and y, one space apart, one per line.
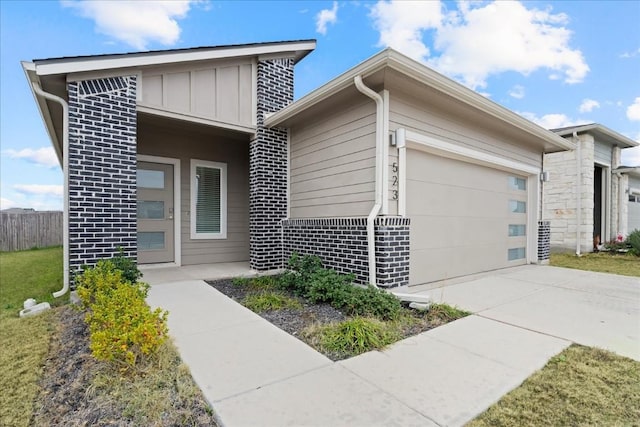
626 265
581 386
25 342
353 336
270 301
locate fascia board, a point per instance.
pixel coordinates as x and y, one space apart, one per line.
43 109
62 66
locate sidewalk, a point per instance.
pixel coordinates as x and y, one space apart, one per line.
254 374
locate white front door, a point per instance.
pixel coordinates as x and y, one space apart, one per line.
155 213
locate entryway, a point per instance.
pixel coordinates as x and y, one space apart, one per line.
155 213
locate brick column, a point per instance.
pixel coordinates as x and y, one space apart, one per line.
102 169
268 167
392 251
544 241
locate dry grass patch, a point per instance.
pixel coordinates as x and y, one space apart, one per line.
582 386
626 265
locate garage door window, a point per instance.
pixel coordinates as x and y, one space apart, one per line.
516 253
516 183
517 206
517 230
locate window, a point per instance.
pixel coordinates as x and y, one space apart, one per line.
634 198
517 230
517 206
150 240
516 253
149 178
208 200
516 183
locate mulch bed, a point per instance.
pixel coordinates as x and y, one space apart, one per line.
295 321
67 398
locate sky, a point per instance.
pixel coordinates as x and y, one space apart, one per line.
557 63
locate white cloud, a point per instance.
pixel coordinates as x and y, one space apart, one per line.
39 189
631 156
401 25
45 156
517 92
630 54
136 23
552 121
325 17
480 39
633 110
6 203
588 105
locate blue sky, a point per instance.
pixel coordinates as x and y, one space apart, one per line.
558 63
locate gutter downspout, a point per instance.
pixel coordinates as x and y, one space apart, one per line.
578 191
65 171
371 238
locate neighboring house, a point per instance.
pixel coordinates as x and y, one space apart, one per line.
391 171
600 201
633 192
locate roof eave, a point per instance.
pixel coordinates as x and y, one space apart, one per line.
32 77
297 50
392 59
621 140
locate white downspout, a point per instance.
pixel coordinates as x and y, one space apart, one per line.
578 192
371 238
65 190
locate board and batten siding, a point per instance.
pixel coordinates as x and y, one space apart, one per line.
602 153
222 92
332 163
185 145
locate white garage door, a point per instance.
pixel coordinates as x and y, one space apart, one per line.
634 213
465 218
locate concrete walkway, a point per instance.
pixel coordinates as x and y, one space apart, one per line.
254 374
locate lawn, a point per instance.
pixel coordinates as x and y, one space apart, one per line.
25 274
582 386
626 265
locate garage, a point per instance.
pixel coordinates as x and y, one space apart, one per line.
634 212
465 217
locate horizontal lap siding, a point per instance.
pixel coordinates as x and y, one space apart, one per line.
426 119
333 164
235 154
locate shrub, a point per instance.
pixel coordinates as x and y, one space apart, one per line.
122 326
371 301
354 336
127 266
634 241
301 270
269 301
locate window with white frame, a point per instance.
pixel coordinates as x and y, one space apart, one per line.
208 200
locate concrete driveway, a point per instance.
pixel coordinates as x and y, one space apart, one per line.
594 309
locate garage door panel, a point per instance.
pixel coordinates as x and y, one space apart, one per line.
455 231
460 216
438 199
634 216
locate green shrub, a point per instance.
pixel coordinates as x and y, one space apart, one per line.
307 278
270 301
127 266
241 281
354 336
122 326
634 241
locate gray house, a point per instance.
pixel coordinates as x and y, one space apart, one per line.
391 171
590 187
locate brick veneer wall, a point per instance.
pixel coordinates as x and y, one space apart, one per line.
102 169
544 240
268 166
341 243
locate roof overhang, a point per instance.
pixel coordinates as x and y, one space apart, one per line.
79 64
391 59
629 170
601 133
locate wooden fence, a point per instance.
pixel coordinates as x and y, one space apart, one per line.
20 231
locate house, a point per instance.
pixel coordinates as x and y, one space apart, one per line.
390 171
597 197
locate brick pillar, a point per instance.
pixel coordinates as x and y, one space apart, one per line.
392 251
268 167
544 241
102 169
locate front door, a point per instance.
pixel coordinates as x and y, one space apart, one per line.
155 213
